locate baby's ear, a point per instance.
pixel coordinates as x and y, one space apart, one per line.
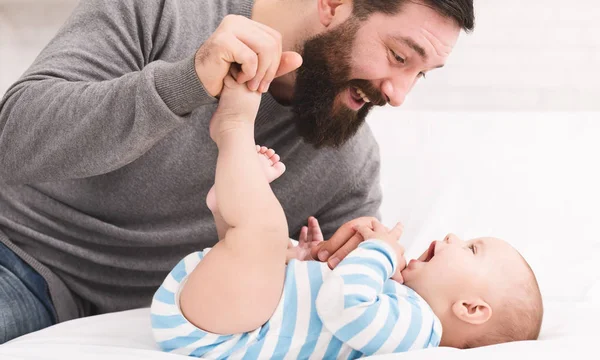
473 311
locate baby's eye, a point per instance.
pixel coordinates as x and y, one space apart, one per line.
472 247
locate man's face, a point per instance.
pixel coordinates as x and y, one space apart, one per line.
360 64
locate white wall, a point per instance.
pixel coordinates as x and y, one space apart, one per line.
25 27
534 55
525 55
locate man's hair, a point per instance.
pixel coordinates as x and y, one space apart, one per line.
461 11
519 316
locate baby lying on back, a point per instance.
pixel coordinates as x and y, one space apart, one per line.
252 296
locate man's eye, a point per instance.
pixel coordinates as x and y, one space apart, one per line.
397 57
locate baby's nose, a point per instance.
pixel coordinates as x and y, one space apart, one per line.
451 239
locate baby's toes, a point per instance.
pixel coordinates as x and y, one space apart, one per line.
275 158
270 153
280 167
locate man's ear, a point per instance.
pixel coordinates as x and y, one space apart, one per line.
473 311
329 9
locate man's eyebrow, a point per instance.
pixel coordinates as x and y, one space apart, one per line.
413 45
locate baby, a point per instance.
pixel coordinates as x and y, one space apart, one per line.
253 296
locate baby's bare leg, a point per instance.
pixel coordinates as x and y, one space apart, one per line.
245 271
273 168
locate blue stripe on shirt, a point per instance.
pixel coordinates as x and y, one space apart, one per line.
350 330
199 352
355 354
384 333
414 327
255 349
333 350
290 307
381 248
369 262
361 279
355 299
241 342
315 326
165 296
167 321
179 272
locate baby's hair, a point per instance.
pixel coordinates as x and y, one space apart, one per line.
519 316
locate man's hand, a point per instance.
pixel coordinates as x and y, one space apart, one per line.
343 241
255 47
391 237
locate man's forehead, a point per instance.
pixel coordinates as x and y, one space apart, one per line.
418 21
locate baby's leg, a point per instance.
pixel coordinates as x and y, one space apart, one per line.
237 286
272 168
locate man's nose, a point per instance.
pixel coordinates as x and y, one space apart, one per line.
395 89
452 239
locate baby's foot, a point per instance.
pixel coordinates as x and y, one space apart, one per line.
271 164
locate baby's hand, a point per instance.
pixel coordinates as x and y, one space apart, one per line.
391 237
238 106
310 237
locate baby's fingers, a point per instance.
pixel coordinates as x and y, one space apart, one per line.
314 230
303 238
397 231
364 231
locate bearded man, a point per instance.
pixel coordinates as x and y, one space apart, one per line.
105 152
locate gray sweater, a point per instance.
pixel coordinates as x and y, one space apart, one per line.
106 159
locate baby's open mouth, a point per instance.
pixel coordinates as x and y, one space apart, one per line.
429 254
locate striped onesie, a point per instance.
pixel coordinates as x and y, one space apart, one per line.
352 311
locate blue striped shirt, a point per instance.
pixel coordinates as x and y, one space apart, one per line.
352 311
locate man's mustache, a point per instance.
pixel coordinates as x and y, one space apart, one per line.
372 93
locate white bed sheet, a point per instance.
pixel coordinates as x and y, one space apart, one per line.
530 178
570 329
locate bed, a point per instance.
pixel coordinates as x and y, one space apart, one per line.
530 178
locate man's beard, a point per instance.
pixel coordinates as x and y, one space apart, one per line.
321 119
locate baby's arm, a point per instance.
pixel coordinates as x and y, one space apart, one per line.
237 286
367 312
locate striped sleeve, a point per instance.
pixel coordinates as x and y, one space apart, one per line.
370 313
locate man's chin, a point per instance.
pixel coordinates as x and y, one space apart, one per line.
332 131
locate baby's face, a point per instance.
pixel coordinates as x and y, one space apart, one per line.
453 269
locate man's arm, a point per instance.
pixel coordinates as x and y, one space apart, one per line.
93 101
97 98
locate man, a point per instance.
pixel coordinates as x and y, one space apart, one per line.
105 155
